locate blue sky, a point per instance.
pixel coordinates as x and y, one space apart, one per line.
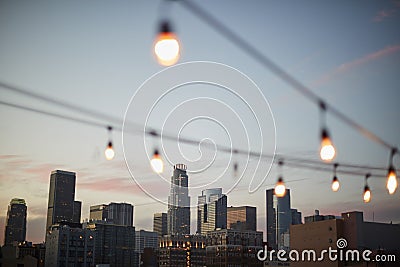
96 54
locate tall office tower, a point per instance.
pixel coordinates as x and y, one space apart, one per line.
98 212
120 213
279 218
178 219
69 246
115 244
160 223
76 217
15 230
211 210
61 198
242 218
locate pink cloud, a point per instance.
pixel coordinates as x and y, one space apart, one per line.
384 14
352 64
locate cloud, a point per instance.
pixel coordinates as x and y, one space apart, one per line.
355 63
384 14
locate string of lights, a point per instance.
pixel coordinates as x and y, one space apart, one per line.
171 48
347 168
167 51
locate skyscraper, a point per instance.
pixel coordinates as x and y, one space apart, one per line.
279 218
211 210
116 213
15 230
61 198
242 218
120 213
178 219
160 223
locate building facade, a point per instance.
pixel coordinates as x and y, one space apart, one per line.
98 212
69 245
229 247
211 210
15 228
242 218
160 223
182 250
324 231
115 213
115 244
145 240
178 216
61 202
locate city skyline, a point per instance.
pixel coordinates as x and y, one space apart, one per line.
97 56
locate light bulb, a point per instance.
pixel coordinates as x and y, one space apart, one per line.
156 163
109 152
335 184
166 46
367 194
280 188
327 151
391 184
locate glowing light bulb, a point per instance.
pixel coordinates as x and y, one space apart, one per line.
391 184
280 188
327 151
367 194
166 46
335 184
156 163
109 152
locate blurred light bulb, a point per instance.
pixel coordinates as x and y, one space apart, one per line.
327 151
109 152
166 46
280 188
391 184
367 194
156 163
335 184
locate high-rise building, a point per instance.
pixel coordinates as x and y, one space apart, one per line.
61 198
76 217
228 247
211 210
160 223
242 218
115 244
120 213
69 245
98 212
15 230
115 213
178 219
279 219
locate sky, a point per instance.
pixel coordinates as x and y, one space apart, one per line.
98 55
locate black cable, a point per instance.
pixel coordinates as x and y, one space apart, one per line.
274 68
290 161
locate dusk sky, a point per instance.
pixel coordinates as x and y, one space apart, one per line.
97 54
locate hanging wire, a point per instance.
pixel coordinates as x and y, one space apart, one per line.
347 168
195 9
